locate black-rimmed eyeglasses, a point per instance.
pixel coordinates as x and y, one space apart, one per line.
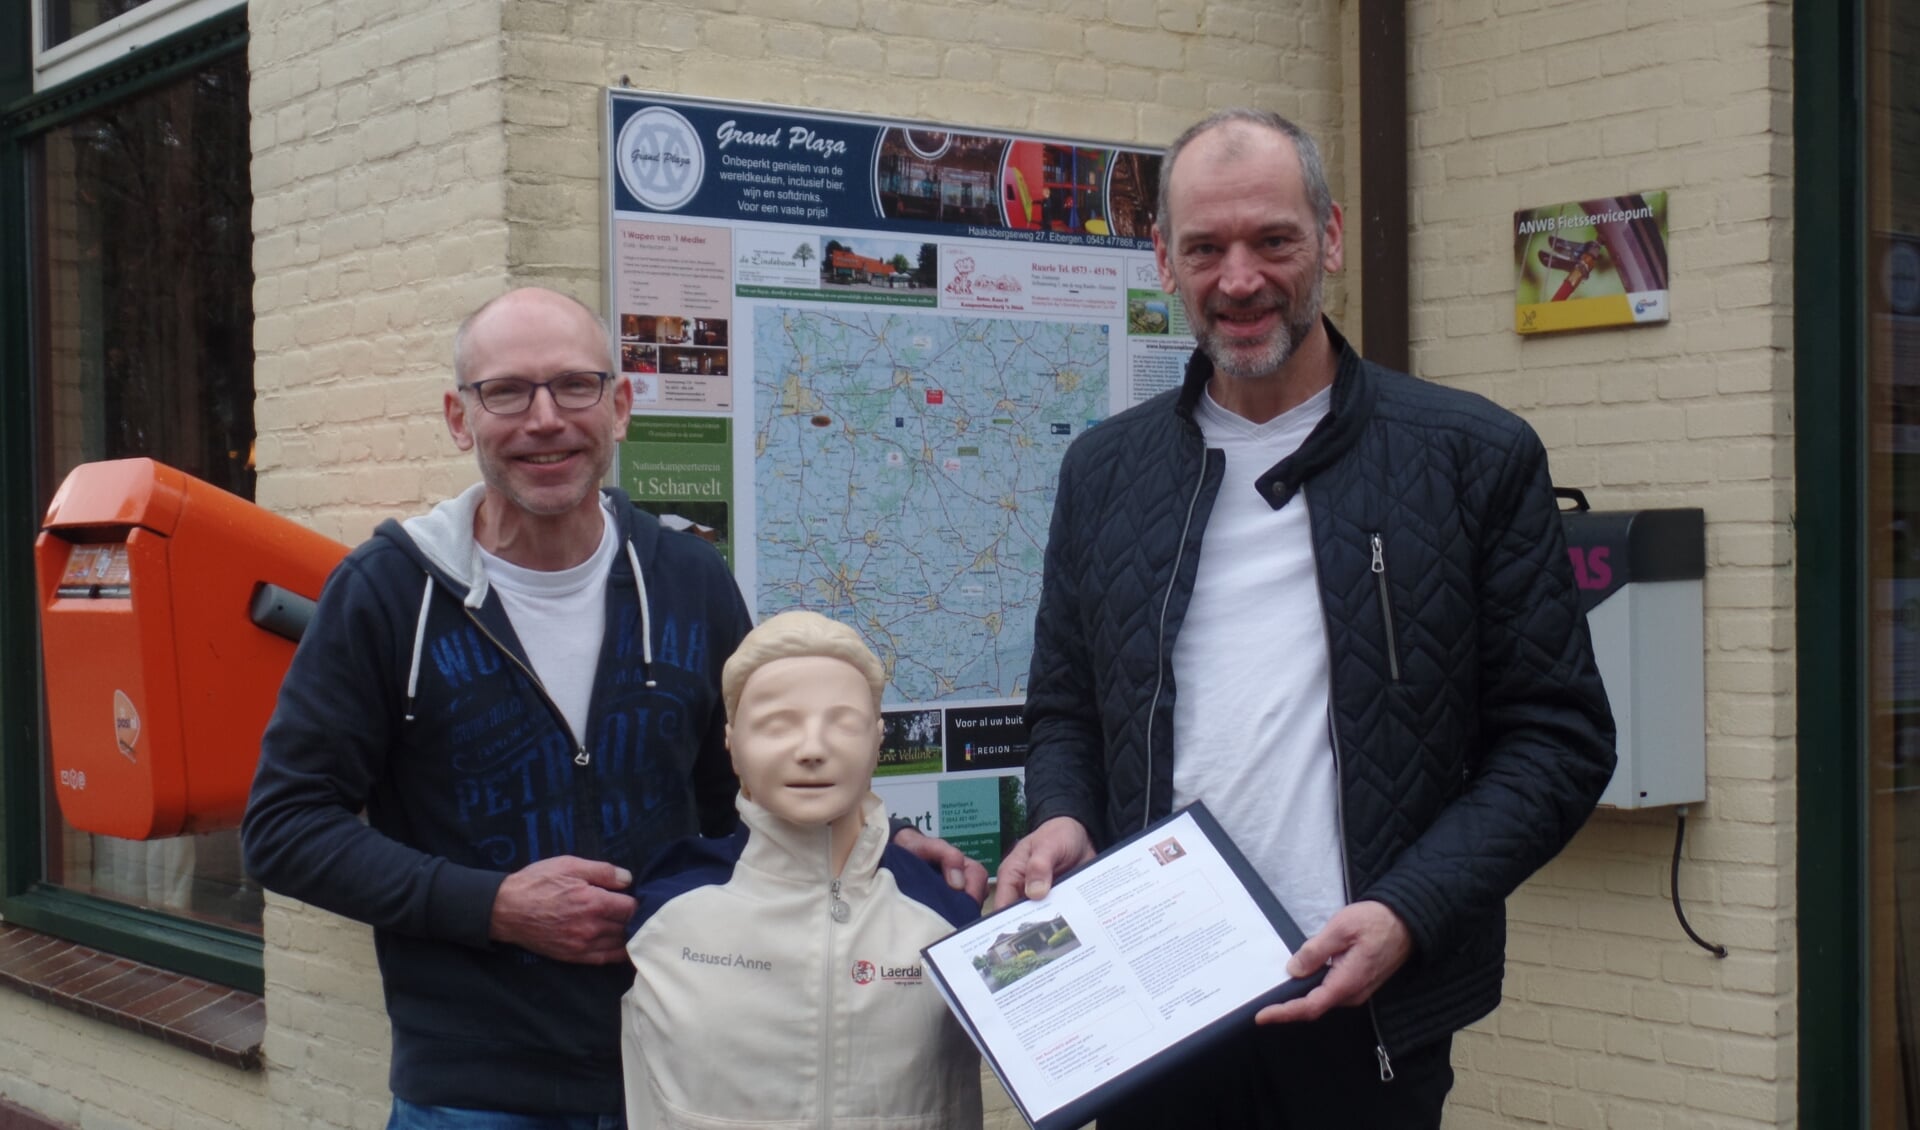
510 396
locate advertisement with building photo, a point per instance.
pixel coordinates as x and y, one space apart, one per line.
902 326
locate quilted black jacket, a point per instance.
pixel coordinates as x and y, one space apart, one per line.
1471 733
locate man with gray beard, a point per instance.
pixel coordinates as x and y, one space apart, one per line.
1373 668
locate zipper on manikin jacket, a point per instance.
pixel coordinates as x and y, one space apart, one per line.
1160 657
1340 778
838 912
580 755
1386 607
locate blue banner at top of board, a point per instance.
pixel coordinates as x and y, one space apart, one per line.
763 165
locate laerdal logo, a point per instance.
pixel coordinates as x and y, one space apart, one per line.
661 159
866 973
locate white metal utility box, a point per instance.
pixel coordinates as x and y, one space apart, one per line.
1640 574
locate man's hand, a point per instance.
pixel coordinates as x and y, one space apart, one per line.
566 908
963 873
1364 944
1059 845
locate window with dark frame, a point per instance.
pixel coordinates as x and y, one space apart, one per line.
140 229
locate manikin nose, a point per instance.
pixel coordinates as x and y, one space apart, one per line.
813 746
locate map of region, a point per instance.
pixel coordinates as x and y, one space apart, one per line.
904 477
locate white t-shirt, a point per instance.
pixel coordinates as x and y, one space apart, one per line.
1250 722
560 618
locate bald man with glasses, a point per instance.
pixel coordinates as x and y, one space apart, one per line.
521 690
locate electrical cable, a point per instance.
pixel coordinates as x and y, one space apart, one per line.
1680 834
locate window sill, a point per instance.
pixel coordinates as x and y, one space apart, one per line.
223 1024
20 1118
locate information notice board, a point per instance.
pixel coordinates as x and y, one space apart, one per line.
858 349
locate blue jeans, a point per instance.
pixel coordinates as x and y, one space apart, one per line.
409 1116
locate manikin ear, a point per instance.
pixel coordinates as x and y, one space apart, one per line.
736 763
873 759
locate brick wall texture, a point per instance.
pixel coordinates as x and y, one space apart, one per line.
1612 1017
412 159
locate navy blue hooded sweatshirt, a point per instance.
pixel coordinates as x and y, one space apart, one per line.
412 699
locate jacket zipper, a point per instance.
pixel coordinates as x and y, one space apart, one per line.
1386 607
580 755
1340 767
1160 648
1346 888
837 912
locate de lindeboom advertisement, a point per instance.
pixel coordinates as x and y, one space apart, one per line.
858 349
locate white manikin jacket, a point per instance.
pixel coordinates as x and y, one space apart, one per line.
752 1006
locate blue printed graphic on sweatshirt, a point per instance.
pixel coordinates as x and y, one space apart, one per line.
519 794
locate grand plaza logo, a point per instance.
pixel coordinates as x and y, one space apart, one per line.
661 159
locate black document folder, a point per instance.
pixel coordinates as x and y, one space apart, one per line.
1139 959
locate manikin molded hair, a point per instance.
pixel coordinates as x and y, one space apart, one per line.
796 634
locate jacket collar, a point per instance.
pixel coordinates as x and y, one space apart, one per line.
799 852
1346 418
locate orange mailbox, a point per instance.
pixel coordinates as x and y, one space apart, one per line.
168 611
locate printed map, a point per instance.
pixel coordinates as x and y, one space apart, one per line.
904 479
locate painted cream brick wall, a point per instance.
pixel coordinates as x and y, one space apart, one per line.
81 1072
1612 1017
379 218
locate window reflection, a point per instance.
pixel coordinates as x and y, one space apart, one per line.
68 18
1893 539
144 347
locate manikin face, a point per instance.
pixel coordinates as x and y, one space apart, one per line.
547 461
1245 251
805 738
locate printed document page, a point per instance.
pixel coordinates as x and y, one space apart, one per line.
1125 958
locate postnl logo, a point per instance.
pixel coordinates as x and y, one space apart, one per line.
864 972
126 724
661 159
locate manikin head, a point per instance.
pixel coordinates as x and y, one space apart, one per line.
802 694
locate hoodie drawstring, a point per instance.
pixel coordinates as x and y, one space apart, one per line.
419 641
646 615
